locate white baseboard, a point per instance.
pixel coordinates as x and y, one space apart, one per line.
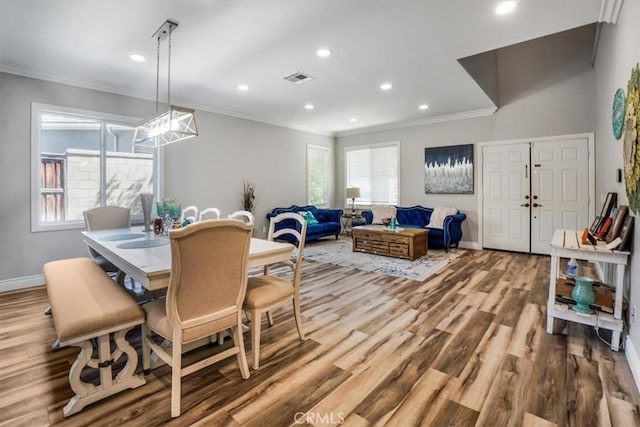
634 361
469 245
21 283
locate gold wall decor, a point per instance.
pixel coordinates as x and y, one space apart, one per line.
631 148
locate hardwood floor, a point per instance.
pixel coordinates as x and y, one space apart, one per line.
466 347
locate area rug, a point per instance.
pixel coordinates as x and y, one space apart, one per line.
339 252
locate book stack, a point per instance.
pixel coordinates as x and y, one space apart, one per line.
613 225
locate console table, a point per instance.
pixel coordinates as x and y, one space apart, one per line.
566 244
409 243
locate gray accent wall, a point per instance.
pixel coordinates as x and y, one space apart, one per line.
618 52
206 171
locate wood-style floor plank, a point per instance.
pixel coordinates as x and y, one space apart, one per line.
464 347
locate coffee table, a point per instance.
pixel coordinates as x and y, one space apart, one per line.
408 243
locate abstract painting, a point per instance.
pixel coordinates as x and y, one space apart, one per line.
448 170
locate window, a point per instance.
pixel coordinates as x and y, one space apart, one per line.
82 160
375 170
317 175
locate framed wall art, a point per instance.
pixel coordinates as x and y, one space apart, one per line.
448 170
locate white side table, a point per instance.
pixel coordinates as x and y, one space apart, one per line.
566 244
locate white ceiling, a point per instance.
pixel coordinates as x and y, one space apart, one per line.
219 44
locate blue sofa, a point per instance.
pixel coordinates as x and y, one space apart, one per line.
328 221
419 216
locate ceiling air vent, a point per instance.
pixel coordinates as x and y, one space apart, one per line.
297 77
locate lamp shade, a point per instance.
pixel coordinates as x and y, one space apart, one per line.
353 192
173 125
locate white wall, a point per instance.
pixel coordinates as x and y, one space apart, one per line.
562 105
618 52
206 171
209 171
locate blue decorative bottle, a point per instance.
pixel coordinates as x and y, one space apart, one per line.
572 268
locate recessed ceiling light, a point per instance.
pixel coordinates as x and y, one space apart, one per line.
386 86
308 106
353 119
323 52
423 106
136 57
505 7
243 88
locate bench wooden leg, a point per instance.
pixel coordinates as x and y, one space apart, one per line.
87 393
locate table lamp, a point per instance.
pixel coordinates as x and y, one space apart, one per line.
353 193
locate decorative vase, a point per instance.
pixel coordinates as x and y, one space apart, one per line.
147 201
583 295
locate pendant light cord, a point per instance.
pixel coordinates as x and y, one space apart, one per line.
157 73
169 71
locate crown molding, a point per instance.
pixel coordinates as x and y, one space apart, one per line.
610 11
119 90
421 122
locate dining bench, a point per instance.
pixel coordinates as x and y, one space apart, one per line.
87 308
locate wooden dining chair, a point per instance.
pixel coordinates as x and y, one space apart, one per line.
266 292
190 213
245 216
206 289
105 218
214 213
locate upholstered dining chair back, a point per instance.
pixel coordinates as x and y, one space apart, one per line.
207 286
104 218
107 217
208 277
245 216
209 213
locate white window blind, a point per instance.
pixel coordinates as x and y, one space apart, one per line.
375 170
317 175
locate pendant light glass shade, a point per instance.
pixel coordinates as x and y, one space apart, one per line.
176 123
173 125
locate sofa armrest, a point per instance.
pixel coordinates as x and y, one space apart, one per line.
334 215
367 215
452 228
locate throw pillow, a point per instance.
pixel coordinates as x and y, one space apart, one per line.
309 217
380 212
438 215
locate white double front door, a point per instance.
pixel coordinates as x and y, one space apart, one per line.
530 190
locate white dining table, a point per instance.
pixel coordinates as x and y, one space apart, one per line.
146 256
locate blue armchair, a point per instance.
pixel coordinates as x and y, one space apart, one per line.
419 216
328 221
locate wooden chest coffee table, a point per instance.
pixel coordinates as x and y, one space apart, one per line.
409 243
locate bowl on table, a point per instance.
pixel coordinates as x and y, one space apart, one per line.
386 221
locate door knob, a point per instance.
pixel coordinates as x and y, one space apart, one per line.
526 197
535 197
526 205
536 205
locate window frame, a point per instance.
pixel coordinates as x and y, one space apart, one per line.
37 109
327 174
395 144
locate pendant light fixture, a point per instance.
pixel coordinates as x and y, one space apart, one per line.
171 125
